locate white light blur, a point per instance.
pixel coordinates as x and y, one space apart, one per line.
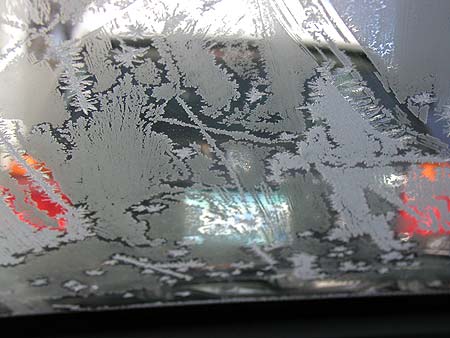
227 18
244 219
12 44
395 180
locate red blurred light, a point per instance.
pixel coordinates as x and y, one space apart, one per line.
431 219
35 196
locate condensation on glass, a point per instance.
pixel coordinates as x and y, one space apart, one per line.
161 152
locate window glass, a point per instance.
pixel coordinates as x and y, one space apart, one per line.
161 152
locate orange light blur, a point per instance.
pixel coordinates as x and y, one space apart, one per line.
430 170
